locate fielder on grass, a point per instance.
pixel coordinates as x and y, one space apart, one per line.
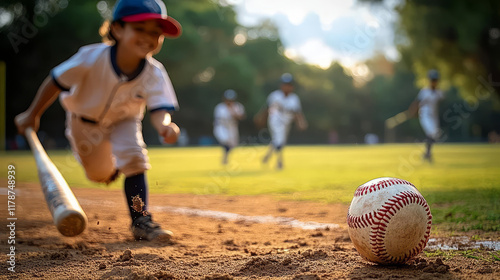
426 104
283 107
227 114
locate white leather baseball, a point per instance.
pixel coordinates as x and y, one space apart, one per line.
389 221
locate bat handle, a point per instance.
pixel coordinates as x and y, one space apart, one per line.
32 138
28 131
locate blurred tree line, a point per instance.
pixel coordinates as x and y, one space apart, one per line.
215 53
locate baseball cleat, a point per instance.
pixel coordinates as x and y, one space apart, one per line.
144 228
279 165
427 157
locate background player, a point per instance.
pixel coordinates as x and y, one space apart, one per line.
226 117
283 108
105 89
427 105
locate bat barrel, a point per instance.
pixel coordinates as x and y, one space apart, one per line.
68 215
70 222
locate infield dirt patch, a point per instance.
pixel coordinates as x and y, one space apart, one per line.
208 247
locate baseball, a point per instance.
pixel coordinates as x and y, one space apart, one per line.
389 221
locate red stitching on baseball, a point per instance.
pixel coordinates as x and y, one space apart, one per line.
380 219
363 190
379 231
360 222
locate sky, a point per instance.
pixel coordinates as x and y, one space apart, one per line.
321 31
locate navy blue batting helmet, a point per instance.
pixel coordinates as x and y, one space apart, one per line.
230 94
287 78
433 74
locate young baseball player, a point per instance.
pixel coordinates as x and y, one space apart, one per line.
105 89
226 117
283 108
427 105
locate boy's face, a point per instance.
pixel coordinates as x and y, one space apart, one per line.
286 88
140 38
434 84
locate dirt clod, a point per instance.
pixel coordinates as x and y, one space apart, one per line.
126 256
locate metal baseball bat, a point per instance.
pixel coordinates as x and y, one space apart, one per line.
67 213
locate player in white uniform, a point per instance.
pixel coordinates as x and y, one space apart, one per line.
105 89
283 108
227 114
427 101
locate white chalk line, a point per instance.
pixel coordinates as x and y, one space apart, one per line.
461 243
243 218
458 243
227 216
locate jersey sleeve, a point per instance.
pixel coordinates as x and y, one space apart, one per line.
297 105
218 111
240 109
420 95
72 71
161 95
271 98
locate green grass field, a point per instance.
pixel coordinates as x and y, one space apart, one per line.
462 185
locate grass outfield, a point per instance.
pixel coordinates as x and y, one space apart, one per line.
462 185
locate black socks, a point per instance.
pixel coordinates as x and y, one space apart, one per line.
136 192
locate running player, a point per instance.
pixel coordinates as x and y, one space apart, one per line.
104 89
227 114
283 107
427 103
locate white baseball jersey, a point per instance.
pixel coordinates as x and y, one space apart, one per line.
95 88
428 110
226 125
105 108
282 110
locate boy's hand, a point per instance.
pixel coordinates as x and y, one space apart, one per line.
25 120
302 124
170 133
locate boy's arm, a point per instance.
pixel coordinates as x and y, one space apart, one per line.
413 109
45 96
237 111
301 121
260 118
166 129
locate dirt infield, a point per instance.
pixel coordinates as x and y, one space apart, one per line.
206 247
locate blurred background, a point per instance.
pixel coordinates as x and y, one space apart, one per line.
356 63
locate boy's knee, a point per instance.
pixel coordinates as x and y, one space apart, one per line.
101 176
277 146
136 163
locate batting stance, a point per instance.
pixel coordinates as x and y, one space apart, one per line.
226 117
283 108
427 104
104 89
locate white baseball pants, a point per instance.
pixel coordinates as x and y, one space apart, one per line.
103 149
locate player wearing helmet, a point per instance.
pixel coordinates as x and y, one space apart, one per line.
226 117
283 107
427 103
